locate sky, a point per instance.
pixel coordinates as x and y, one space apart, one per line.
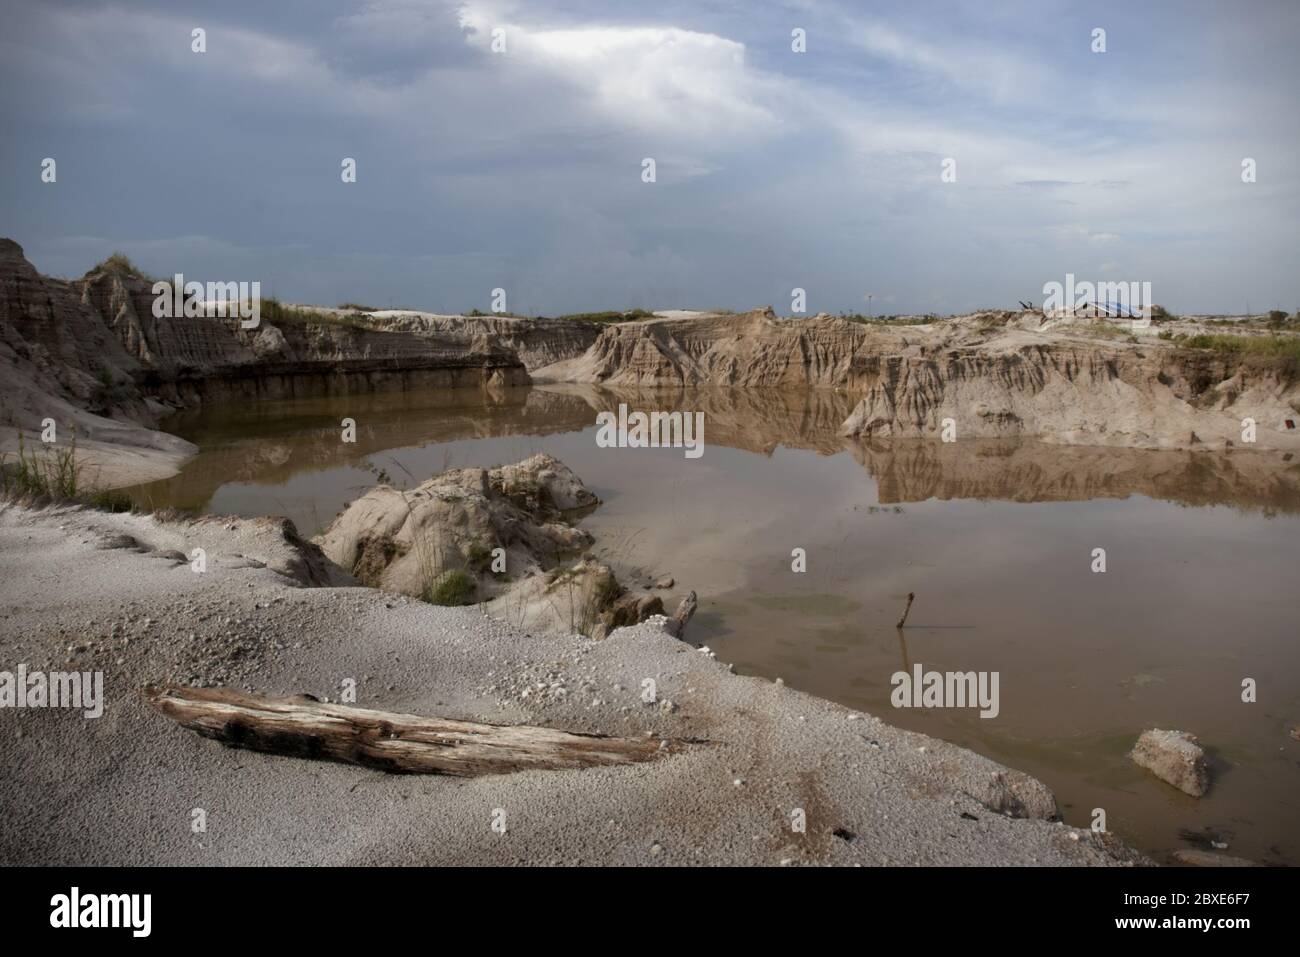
522 169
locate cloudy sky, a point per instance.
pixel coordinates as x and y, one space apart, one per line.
522 169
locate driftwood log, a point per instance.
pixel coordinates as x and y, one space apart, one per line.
305 727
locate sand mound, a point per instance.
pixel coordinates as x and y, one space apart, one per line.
503 537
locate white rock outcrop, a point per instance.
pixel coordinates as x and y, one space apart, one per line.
1176 758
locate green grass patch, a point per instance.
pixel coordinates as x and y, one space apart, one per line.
276 312
630 315
454 587
1277 347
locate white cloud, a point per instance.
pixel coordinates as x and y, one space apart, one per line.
657 79
523 168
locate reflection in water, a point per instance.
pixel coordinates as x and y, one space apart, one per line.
268 442
915 470
902 645
994 537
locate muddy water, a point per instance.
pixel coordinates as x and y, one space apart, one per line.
996 541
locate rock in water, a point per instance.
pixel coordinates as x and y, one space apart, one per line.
676 625
1174 757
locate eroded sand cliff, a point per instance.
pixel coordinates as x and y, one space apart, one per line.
89 353
995 375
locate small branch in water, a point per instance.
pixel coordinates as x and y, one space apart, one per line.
903 621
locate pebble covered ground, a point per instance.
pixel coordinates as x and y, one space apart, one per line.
759 773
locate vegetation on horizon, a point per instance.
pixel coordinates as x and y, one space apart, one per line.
119 262
1275 346
480 314
274 311
630 315
607 316
858 317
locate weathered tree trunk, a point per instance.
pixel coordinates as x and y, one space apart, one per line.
304 727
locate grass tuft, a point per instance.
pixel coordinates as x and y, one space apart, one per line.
454 587
56 475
